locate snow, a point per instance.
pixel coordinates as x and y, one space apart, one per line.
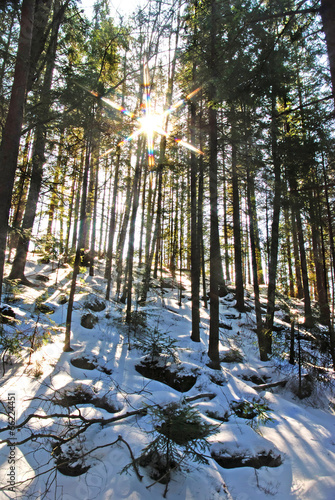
301 432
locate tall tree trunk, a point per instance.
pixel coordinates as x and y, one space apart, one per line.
214 246
103 218
95 208
11 134
262 341
38 158
112 224
131 244
273 261
328 21
251 186
54 199
75 181
77 202
80 245
201 210
195 243
21 197
146 279
321 283
297 265
288 252
332 250
237 229
303 261
123 234
144 191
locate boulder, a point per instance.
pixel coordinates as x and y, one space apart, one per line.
88 320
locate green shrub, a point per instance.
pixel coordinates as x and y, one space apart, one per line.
255 411
156 344
179 433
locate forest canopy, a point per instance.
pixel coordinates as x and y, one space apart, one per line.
193 135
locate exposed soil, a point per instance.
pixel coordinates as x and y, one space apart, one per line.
167 375
263 459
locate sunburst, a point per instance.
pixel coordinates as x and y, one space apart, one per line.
150 123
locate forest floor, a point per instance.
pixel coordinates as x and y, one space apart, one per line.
266 442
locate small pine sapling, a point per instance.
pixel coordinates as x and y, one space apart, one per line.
179 433
255 411
157 345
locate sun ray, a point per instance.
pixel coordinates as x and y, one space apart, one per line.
149 123
188 146
119 108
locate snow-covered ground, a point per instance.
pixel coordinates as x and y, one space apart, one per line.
296 442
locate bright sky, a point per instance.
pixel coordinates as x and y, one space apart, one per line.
117 7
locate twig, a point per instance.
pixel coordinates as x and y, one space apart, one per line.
120 438
263 387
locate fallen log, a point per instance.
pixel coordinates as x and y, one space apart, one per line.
264 387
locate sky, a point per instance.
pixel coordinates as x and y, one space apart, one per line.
117 7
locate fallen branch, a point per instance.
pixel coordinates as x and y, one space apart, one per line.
264 387
209 395
86 423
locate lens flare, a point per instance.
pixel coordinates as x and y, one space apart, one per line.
149 123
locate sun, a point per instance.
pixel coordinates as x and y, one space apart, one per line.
149 123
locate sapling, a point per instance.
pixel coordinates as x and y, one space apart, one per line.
255 411
156 344
179 433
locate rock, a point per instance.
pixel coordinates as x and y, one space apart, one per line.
225 326
88 320
232 356
262 459
45 309
85 258
82 395
41 277
7 314
169 375
62 299
94 303
83 363
89 364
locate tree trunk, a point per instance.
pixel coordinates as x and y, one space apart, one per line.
80 245
94 215
214 246
131 244
328 21
288 252
122 235
303 261
262 341
112 224
273 261
11 134
237 231
38 158
21 197
321 283
195 243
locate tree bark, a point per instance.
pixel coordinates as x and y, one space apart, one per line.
237 231
262 343
131 244
195 243
12 131
328 21
112 224
273 262
80 245
38 158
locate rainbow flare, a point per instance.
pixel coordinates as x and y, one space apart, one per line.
150 123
